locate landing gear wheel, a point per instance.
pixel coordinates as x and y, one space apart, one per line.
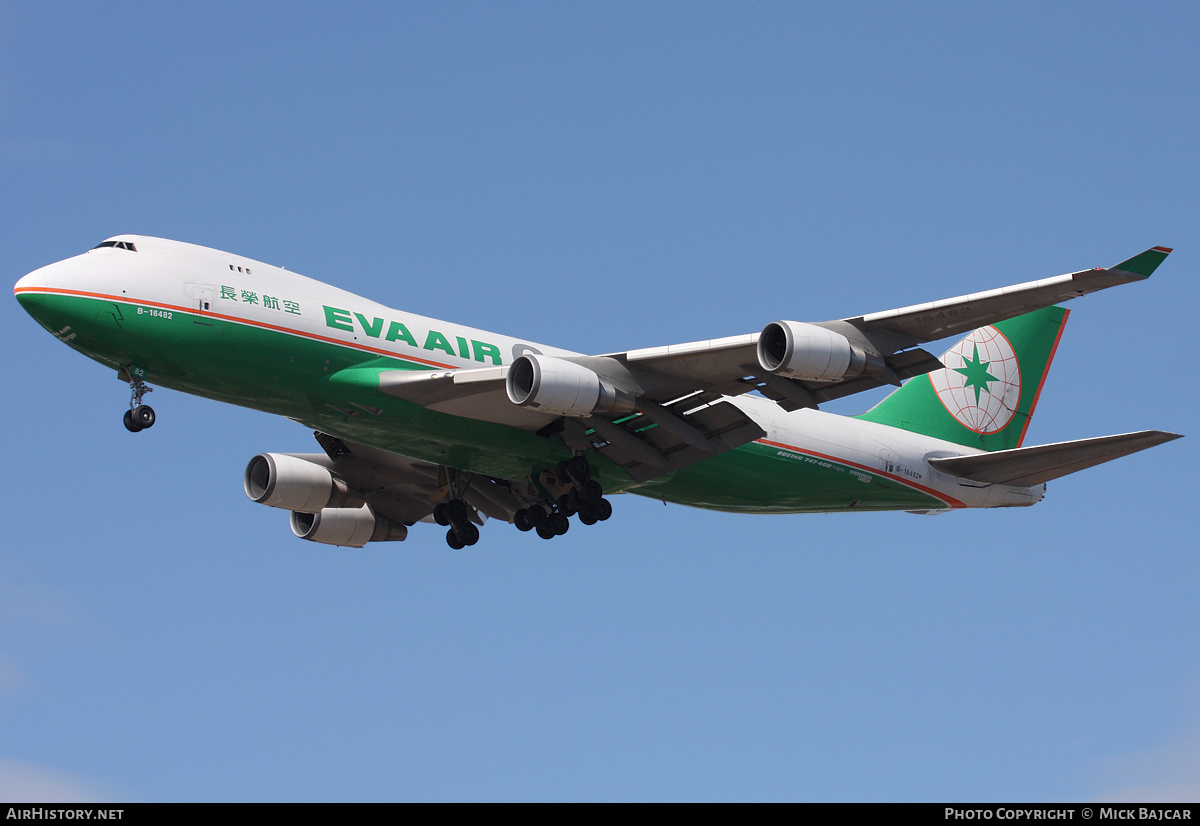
602 510
574 470
453 541
546 532
566 505
559 524
467 534
521 520
587 517
456 512
591 492
143 414
439 514
130 424
577 466
537 515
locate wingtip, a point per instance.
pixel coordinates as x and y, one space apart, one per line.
1160 437
1144 264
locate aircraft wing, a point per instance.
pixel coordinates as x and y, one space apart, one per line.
404 489
954 316
666 405
727 366
647 440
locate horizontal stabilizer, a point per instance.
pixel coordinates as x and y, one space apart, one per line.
1026 466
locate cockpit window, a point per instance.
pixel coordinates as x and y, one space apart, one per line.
121 245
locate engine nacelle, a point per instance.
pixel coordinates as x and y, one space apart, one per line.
806 351
296 484
346 526
564 388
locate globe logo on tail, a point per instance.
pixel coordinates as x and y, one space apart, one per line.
981 383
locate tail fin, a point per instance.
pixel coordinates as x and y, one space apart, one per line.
985 395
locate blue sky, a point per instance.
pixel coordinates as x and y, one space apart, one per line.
602 178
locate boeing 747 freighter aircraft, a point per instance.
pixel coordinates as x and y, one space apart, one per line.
421 420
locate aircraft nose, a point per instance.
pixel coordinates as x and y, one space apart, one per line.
35 279
80 275
50 293
30 289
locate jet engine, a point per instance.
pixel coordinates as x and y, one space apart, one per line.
811 353
346 526
564 388
295 484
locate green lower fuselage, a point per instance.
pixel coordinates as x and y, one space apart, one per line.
289 375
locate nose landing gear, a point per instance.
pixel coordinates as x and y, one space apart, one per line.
139 416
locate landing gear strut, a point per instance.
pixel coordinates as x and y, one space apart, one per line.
139 416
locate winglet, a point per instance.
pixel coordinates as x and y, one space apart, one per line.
1145 263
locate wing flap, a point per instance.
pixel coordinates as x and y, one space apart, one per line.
1026 466
647 449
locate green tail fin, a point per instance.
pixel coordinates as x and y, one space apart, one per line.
986 394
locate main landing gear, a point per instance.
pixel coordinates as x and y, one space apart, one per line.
139 416
567 490
548 524
584 497
457 514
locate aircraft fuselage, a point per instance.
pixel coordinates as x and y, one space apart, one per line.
236 330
